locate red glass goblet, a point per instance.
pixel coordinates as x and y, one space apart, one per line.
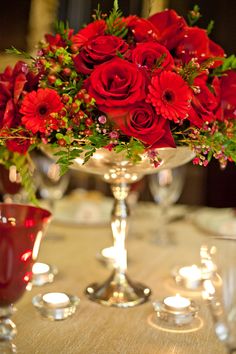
21 231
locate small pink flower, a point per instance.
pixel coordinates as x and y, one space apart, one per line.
114 135
102 119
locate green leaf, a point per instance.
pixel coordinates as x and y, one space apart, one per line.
210 27
59 136
22 165
194 15
119 148
115 6
63 169
229 63
97 13
15 51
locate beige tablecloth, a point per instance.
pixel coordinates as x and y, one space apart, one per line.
95 329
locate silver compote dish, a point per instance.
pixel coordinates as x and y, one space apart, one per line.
118 290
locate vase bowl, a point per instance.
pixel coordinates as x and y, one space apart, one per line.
117 168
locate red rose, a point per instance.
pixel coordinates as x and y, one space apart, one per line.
12 83
147 55
169 26
142 29
96 28
205 106
196 44
141 122
228 94
97 51
117 83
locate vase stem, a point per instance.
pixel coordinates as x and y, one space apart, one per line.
118 290
119 226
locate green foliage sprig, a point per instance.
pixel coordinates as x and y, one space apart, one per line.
217 139
115 23
192 69
15 51
194 15
210 27
228 64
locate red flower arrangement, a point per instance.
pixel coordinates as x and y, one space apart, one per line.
123 84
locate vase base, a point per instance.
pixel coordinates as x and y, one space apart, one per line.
121 292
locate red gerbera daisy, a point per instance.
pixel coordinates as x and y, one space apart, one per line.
170 95
37 108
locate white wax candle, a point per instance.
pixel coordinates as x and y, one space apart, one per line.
56 299
191 272
108 252
40 268
191 275
177 302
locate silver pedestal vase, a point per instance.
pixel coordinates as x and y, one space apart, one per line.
118 290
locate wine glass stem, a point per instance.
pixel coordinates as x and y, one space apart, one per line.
163 222
119 223
7 327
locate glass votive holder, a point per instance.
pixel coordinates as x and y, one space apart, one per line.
175 311
56 306
43 273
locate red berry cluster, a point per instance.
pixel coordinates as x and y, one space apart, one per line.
77 111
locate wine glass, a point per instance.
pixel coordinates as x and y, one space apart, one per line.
218 257
166 187
21 230
10 186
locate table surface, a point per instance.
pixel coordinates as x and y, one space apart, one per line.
96 329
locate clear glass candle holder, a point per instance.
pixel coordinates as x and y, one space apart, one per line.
56 306
176 313
43 273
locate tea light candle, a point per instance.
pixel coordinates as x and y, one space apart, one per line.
40 268
56 306
176 303
108 253
175 311
43 273
56 300
191 276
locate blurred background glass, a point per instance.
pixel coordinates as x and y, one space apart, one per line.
219 265
50 186
166 187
